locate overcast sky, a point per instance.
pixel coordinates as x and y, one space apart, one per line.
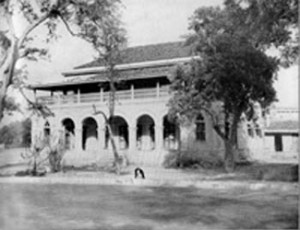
146 22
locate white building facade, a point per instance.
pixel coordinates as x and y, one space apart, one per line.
140 123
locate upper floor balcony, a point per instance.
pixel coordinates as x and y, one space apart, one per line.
132 95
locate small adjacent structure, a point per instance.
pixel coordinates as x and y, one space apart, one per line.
282 133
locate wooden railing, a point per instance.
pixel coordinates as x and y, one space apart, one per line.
122 95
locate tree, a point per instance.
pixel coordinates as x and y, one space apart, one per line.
26 134
233 72
17 133
91 21
269 23
96 21
46 153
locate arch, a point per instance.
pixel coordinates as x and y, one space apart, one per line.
89 134
119 128
171 133
145 132
68 133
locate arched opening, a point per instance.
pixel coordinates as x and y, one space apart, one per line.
171 133
120 132
47 131
89 134
68 133
145 133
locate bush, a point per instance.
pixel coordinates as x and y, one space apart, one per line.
270 172
280 173
193 159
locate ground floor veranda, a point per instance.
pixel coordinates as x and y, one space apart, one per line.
143 141
142 132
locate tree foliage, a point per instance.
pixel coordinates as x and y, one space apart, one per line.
96 21
16 134
234 72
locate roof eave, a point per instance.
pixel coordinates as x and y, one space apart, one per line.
99 69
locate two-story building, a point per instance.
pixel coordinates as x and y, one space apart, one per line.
140 125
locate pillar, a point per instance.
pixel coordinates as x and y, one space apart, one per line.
157 89
101 137
78 139
132 138
78 95
34 94
101 95
132 91
159 137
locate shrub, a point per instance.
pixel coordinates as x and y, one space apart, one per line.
275 172
46 153
270 172
193 159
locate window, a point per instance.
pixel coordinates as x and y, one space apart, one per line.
250 131
278 143
47 129
258 130
200 128
227 129
47 132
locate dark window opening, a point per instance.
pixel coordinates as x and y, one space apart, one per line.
278 143
200 128
250 130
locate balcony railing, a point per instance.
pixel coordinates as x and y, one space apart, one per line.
122 95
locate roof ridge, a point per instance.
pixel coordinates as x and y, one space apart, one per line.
153 44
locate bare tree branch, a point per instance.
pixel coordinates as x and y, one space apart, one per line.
68 27
31 28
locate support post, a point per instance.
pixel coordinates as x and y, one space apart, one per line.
78 138
101 94
101 137
34 93
78 95
157 89
132 138
158 137
132 91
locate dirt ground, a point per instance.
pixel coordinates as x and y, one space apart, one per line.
76 199
66 206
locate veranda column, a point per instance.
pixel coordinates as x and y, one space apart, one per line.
132 138
101 137
78 139
159 137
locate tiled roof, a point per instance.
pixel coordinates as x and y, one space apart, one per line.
145 53
157 71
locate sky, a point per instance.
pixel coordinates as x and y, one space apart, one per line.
146 22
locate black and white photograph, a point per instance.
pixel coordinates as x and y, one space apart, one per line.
149 114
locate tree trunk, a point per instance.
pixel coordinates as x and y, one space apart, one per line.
231 145
7 72
230 142
229 163
112 99
117 158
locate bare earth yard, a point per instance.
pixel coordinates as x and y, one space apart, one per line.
66 201
63 206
